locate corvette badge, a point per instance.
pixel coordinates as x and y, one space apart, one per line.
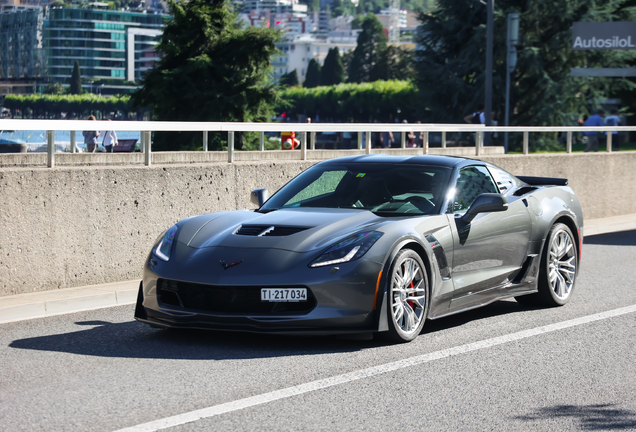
227 266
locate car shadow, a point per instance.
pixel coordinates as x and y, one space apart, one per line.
621 238
590 417
498 308
137 340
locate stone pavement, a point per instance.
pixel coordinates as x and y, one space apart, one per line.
46 303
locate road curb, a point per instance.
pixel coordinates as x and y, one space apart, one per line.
610 224
43 304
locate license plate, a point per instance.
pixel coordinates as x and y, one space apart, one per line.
283 294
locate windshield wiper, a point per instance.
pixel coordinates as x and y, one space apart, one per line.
267 210
393 214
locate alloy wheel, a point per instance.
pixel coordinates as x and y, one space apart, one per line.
408 290
562 264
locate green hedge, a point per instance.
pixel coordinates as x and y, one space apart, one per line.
381 101
56 104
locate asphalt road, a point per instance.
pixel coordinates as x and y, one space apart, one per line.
497 368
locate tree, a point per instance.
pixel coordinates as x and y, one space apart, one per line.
341 8
332 71
394 63
451 61
54 88
289 79
76 79
356 23
346 62
312 78
313 5
336 8
371 41
211 69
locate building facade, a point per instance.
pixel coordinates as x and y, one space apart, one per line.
274 6
109 45
298 50
22 61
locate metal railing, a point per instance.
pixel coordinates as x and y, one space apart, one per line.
305 129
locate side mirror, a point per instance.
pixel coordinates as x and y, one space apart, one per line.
259 196
485 203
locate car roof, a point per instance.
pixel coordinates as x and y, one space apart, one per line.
428 160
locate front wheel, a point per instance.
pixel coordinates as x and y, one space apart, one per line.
408 296
558 266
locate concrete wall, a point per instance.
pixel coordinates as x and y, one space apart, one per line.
75 226
605 183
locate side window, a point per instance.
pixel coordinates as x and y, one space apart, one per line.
503 179
472 182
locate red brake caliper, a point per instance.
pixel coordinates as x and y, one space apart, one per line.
411 295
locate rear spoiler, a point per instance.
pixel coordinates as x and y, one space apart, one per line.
543 181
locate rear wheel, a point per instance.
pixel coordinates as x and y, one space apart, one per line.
558 266
558 269
408 296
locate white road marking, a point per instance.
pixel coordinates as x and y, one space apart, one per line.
366 373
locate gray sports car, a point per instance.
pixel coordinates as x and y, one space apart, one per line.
368 243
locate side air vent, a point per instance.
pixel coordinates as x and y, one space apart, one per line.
268 230
524 190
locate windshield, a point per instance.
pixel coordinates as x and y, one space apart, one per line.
385 189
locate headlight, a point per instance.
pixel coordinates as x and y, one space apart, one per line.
349 249
165 245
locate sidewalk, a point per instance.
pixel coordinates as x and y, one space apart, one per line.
609 224
47 303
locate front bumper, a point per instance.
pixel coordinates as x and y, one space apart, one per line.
342 299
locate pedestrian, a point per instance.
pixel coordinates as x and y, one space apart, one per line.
593 136
90 138
614 120
387 139
347 138
419 137
579 138
477 117
410 139
110 140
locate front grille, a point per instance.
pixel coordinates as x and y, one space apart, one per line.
268 230
226 299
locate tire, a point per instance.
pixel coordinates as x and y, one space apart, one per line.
559 267
529 300
408 296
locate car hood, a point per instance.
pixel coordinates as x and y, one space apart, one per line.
296 229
